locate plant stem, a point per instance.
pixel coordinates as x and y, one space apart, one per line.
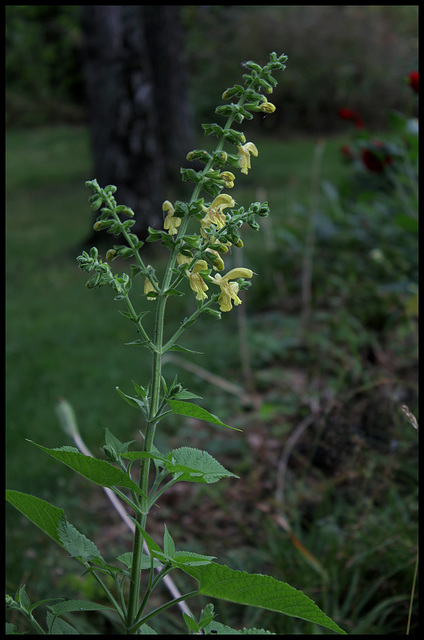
157 352
163 608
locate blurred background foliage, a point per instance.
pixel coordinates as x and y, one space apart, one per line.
327 499
339 55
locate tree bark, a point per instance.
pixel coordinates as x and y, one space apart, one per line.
139 114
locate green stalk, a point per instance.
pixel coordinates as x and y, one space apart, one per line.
157 352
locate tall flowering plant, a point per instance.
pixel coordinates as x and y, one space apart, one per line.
198 234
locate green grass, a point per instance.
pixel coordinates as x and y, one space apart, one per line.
351 483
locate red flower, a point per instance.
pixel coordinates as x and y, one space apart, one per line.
375 162
413 80
348 114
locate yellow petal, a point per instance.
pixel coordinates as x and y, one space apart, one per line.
223 200
238 272
167 206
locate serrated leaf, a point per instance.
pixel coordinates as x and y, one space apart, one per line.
98 471
43 514
194 411
222 629
257 590
194 465
191 559
76 543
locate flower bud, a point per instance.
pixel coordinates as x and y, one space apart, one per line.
228 178
110 254
149 288
267 107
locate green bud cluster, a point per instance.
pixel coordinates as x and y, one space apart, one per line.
103 276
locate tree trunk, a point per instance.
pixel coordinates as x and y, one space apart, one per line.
139 113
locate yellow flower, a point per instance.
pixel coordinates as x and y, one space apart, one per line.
148 287
197 283
183 259
171 222
244 152
229 290
214 214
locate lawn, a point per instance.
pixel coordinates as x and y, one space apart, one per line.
327 499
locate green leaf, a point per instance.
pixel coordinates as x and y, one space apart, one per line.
98 471
76 544
177 347
153 547
168 544
173 292
140 391
193 465
192 624
140 455
115 444
257 590
206 615
52 521
191 559
133 402
126 558
76 605
222 629
44 515
57 626
193 411
185 395
145 630
22 598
